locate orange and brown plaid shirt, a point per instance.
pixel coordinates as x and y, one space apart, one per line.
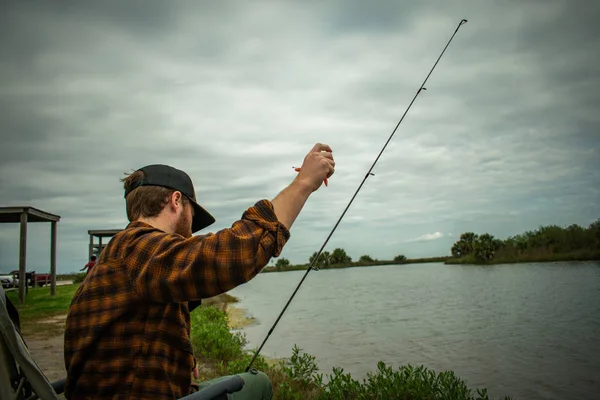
128 328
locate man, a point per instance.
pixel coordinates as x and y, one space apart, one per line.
128 327
90 264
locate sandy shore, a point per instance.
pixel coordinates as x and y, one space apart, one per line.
238 317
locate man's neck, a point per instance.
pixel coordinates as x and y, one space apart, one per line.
158 223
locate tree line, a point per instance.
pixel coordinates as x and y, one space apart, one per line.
339 258
547 243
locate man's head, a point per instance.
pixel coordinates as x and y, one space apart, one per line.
164 197
93 258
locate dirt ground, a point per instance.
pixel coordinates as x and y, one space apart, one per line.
48 351
48 354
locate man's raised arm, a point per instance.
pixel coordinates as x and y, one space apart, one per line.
170 268
318 165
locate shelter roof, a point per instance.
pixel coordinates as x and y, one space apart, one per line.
104 232
13 214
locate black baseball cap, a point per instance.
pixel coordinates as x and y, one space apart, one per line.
173 178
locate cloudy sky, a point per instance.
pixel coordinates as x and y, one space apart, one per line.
506 137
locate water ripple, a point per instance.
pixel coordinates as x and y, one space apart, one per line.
530 331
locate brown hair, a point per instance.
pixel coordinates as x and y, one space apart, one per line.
145 201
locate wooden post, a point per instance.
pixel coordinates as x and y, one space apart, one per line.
91 250
23 257
53 258
100 246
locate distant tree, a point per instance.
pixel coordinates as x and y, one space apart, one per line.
400 258
464 245
339 256
323 261
282 263
365 258
533 244
485 247
595 233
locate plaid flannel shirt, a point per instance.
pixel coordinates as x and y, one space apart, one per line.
128 328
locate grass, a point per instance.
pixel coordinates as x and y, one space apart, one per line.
39 308
39 305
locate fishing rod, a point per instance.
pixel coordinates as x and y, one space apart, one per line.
369 173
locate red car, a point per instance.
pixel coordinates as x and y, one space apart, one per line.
33 279
40 279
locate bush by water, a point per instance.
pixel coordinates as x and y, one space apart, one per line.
299 378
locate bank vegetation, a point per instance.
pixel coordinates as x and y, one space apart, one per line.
547 243
222 351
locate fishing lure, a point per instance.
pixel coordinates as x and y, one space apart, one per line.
297 169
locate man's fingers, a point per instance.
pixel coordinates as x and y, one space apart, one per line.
330 167
330 164
330 161
319 160
321 147
331 171
327 155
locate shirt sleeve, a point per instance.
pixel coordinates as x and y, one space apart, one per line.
170 268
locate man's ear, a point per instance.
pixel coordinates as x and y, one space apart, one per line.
176 199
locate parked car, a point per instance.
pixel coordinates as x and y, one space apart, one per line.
8 281
40 279
32 278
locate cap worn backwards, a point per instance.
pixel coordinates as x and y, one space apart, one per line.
173 178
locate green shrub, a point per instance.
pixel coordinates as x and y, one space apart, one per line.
79 277
239 365
407 382
211 337
298 378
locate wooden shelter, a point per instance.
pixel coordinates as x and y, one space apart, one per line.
24 215
100 233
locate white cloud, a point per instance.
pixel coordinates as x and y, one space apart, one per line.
428 236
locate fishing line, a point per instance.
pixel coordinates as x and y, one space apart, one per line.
369 173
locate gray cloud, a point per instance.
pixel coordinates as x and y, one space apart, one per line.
505 138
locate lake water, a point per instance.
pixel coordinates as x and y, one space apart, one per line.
531 331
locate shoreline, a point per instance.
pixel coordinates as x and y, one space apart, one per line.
448 261
358 264
225 355
296 375
239 318
565 257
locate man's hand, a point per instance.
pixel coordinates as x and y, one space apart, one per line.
317 166
195 373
